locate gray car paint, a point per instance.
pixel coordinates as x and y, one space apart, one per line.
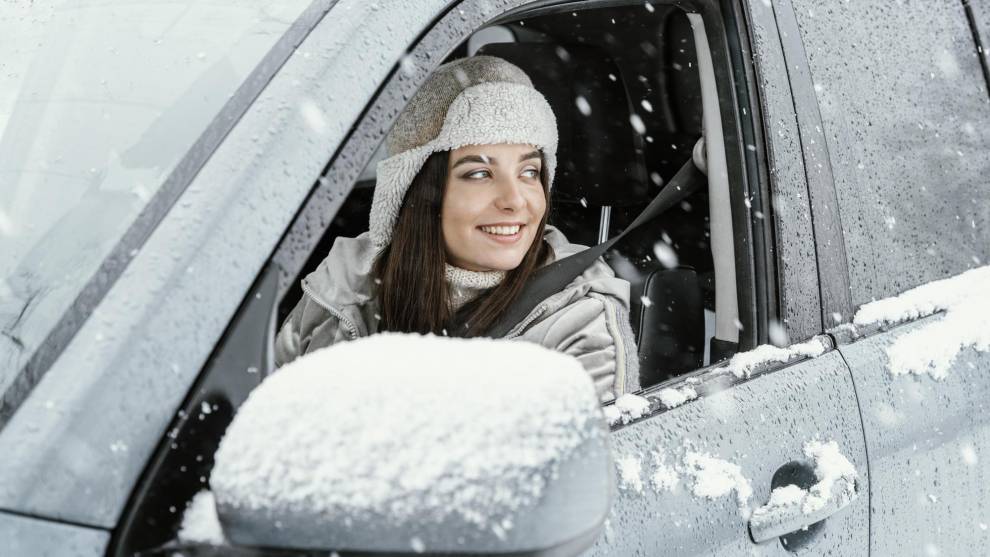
927 440
905 113
981 16
914 204
31 537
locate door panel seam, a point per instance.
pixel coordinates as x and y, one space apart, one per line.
866 451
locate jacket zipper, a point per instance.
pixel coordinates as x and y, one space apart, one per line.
521 327
347 323
620 345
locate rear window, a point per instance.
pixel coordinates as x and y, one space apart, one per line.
98 102
907 120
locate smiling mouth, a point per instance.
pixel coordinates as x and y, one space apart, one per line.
507 235
511 230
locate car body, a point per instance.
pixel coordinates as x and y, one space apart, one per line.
851 143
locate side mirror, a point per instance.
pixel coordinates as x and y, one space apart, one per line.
405 444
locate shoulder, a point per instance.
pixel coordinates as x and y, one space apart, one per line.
597 279
340 293
344 276
595 302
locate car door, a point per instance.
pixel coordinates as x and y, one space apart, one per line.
692 475
910 155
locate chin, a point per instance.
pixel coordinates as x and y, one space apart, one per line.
501 264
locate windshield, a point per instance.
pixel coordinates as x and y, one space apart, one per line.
98 102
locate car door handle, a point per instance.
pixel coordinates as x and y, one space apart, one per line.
792 508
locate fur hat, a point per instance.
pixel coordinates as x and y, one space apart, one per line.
479 100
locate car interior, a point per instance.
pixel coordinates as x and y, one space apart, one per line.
631 105
624 84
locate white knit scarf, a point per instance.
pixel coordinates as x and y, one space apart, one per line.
465 285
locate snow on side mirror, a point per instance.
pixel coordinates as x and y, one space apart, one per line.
411 444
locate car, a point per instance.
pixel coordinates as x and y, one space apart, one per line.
170 172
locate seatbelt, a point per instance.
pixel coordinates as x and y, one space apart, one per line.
552 278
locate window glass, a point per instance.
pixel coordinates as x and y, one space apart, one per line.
906 113
98 102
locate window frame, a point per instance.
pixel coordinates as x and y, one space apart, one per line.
790 262
755 164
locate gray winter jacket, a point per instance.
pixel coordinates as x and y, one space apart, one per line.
588 319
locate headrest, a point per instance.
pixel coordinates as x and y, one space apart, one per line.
599 154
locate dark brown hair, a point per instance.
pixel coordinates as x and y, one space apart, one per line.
410 272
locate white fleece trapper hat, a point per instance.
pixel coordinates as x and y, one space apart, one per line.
479 100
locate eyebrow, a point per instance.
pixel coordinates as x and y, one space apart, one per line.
492 160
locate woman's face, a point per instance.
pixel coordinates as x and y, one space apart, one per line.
492 205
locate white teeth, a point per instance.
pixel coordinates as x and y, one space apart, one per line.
502 230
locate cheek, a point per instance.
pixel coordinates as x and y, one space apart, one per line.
537 202
457 209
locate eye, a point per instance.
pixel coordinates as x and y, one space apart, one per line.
478 174
531 172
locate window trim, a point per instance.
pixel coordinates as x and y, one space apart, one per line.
767 299
715 378
978 41
830 246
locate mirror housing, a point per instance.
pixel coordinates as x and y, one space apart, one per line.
408 444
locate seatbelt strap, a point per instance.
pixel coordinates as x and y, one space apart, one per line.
552 278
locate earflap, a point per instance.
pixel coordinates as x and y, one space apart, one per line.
394 176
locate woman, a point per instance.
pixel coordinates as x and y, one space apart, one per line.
457 227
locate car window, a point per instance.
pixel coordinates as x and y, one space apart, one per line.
98 102
905 110
629 111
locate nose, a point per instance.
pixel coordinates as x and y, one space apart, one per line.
509 196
